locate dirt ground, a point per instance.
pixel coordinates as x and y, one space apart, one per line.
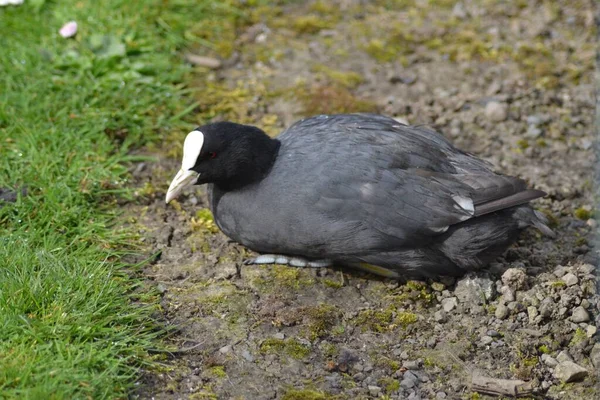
512 82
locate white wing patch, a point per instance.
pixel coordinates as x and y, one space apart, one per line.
192 146
464 203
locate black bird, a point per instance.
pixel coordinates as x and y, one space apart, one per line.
357 190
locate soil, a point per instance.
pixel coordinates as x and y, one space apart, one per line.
511 82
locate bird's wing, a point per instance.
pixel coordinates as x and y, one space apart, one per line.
403 206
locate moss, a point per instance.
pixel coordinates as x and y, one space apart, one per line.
218 371
578 337
543 349
406 318
522 144
583 213
305 394
310 24
332 284
558 284
378 321
381 51
320 320
330 350
390 385
323 99
347 79
204 221
387 363
291 347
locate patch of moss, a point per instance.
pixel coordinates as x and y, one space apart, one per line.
305 394
390 385
347 79
218 371
310 24
291 347
583 213
325 99
204 221
387 363
375 320
332 283
578 337
522 144
406 318
544 349
320 320
558 284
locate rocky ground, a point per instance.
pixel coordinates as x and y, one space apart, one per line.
509 81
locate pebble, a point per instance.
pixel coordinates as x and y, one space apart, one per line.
546 307
549 360
411 365
449 304
492 333
475 290
580 314
515 278
568 371
564 356
279 335
247 356
374 390
440 316
485 340
440 395
407 383
225 349
508 294
532 312
533 132
570 279
501 311
496 111
590 331
560 271
595 356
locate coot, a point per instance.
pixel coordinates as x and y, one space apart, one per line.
357 190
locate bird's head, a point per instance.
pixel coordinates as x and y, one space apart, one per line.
227 154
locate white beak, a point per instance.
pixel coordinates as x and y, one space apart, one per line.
182 180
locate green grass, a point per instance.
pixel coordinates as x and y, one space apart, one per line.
72 324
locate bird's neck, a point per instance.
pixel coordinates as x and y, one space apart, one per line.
265 152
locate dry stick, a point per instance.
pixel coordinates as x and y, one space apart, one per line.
501 387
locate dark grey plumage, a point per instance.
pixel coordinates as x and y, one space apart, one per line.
363 188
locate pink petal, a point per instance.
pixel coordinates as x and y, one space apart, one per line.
69 29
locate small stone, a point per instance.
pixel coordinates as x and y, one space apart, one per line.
508 295
449 304
437 286
247 356
564 356
590 331
161 287
587 268
580 314
407 383
485 340
532 312
279 335
501 311
533 132
560 271
496 111
570 279
440 395
515 278
459 11
492 333
412 365
595 355
549 360
374 390
225 349
440 316
546 385
474 290
546 307
568 371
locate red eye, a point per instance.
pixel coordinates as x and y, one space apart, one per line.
212 154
